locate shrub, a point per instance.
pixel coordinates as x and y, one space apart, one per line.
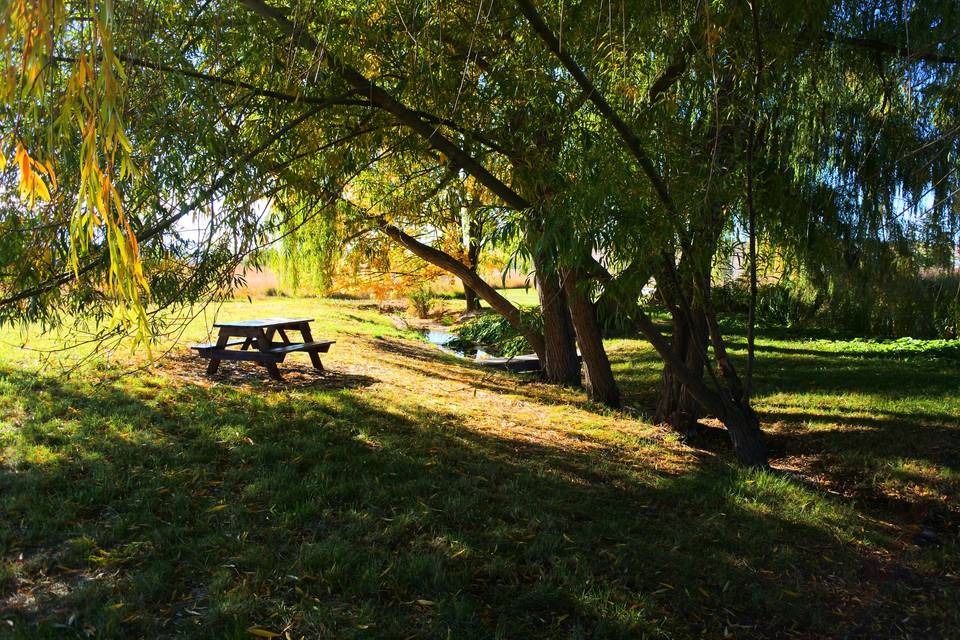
900 347
492 332
903 305
777 305
421 301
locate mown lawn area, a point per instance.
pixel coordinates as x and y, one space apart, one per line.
407 494
526 297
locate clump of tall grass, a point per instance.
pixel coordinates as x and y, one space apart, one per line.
421 301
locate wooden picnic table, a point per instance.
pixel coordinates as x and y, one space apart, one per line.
259 334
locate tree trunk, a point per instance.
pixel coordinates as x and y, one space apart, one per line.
601 385
743 425
737 416
473 301
676 405
740 421
560 364
472 227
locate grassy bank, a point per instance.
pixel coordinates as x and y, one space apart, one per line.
407 494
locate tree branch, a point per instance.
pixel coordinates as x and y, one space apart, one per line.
879 46
383 100
190 73
670 75
626 133
151 232
448 263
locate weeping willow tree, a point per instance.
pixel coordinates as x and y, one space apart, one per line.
876 160
608 143
764 107
305 255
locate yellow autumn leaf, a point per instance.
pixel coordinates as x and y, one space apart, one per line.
262 633
40 189
51 173
22 158
117 203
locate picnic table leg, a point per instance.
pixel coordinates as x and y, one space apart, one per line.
222 341
274 371
263 344
308 337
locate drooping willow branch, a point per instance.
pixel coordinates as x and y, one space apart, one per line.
751 205
381 99
344 100
163 225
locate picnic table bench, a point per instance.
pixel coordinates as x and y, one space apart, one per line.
259 334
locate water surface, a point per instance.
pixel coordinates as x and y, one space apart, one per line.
442 338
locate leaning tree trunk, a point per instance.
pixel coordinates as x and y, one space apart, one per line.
561 364
743 426
450 264
601 385
676 405
695 327
739 419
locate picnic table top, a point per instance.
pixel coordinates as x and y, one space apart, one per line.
263 323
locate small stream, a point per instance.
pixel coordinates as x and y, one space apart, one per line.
441 338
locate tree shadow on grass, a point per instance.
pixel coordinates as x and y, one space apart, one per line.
200 512
923 436
432 362
890 379
296 374
849 417
890 408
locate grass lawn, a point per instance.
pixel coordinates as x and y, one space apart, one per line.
521 297
406 494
